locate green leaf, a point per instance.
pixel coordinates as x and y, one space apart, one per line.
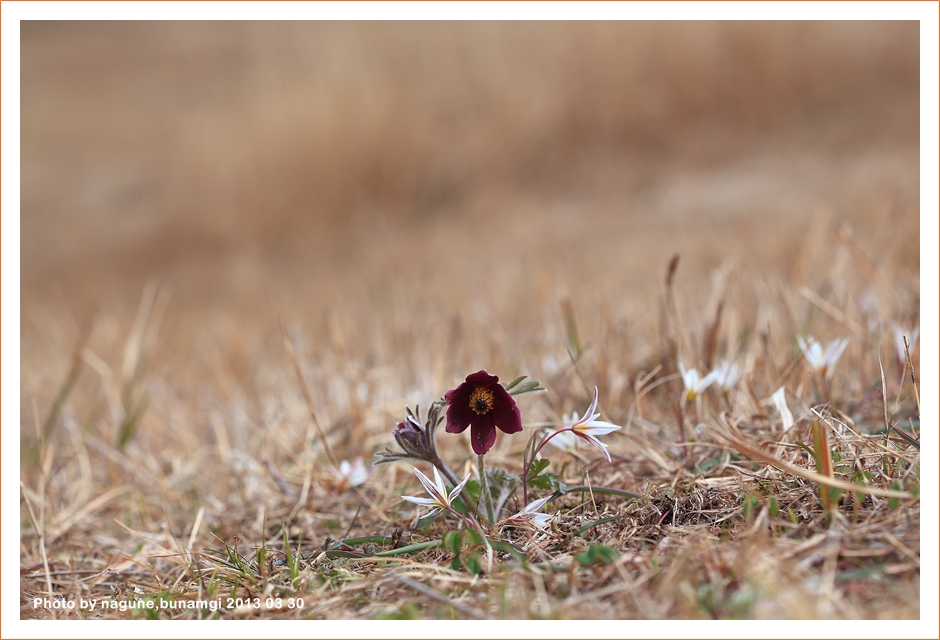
834 494
526 387
539 478
543 482
472 491
537 467
473 564
751 505
453 542
514 382
597 553
474 537
792 514
709 464
506 547
773 507
807 449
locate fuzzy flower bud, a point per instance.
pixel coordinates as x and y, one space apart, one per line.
411 437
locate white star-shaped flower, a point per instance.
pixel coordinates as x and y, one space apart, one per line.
726 376
822 360
589 427
353 474
439 497
694 385
530 515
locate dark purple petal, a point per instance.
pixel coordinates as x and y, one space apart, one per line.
482 434
482 379
505 412
463 390
459 415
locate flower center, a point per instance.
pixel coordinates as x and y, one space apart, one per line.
481 400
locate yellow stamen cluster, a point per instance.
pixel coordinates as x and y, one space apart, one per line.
481 401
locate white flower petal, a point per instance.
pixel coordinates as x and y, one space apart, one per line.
835 349
430 487
457 489
803 346
590 411
779 399
597 443
422 501
535 505
597 428
707 381
530 515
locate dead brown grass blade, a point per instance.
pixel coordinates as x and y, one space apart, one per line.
910 363
823 462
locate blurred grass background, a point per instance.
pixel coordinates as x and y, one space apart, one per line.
411 192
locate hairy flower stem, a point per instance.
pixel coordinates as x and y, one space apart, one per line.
473 522
486 498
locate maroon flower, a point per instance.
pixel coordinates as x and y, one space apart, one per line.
482 404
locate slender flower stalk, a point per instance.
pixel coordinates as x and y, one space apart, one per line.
486 498
567 441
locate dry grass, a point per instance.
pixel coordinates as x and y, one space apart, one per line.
409 203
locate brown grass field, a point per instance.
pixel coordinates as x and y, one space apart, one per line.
406 203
